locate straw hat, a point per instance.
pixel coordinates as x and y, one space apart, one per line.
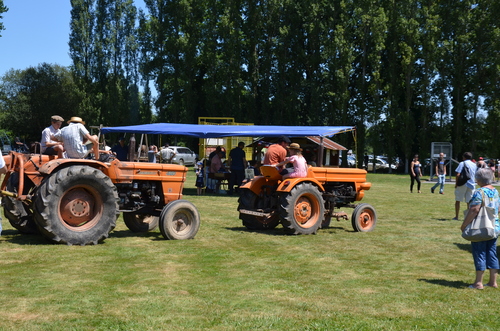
75 119
294 146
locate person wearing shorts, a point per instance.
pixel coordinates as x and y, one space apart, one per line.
464 192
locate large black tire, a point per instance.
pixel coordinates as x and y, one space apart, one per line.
140 222
302 210
19 214
250 201
364 218
179 220
77 205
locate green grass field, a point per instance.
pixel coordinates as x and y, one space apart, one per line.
410 273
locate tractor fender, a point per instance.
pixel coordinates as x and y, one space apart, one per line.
255 185
56 164
288 184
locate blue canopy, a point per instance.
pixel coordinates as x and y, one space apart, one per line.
218 131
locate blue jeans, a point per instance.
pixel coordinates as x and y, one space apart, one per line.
485 254
441 179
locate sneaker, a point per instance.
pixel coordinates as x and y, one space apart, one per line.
441 193
455 218
432 189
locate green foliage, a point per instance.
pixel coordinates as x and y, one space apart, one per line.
28 98
3 9
410 273
104 51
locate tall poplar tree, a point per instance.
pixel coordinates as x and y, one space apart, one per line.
3 9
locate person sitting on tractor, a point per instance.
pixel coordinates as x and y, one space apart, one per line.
276 153
75 137
298 161
48 145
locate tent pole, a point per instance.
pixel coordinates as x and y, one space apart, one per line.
321 149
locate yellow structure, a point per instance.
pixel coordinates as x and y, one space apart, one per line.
207 145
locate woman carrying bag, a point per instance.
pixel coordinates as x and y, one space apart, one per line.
484 252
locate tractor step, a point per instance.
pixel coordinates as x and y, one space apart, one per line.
254 213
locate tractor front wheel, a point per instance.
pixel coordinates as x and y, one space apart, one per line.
302 209
364 218
77 205
179 220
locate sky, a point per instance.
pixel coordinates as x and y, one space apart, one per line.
36 31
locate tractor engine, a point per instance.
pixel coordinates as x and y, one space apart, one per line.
340 194
137 195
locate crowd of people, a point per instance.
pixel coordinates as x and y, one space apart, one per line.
468 175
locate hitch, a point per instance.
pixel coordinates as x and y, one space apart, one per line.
340 215
26 198
9 194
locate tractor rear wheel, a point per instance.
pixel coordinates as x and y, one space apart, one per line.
250 201
76 206
179 220
302 210
136 222
364 218
18 213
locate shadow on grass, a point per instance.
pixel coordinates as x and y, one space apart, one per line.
127 234
464 247
279 231
444 282
15 237
18 238
442 219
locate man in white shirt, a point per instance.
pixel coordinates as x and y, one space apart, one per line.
75 136
47 144
166 154
463 191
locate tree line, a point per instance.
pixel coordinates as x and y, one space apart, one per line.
405 73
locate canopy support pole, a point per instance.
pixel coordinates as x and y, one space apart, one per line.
321 149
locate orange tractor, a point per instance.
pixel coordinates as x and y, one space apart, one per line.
77 201
303 205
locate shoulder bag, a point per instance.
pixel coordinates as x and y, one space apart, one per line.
464 175
482 228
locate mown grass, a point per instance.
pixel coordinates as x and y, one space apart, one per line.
410 273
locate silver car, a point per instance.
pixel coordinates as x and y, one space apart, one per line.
183 155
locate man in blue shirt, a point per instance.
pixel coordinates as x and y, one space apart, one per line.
238 163
463 193
121 150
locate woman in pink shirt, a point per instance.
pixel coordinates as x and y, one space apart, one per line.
298 161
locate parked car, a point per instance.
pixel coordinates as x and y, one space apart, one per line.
183 155
380 165
351 161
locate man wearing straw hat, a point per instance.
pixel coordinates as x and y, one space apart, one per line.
75 138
